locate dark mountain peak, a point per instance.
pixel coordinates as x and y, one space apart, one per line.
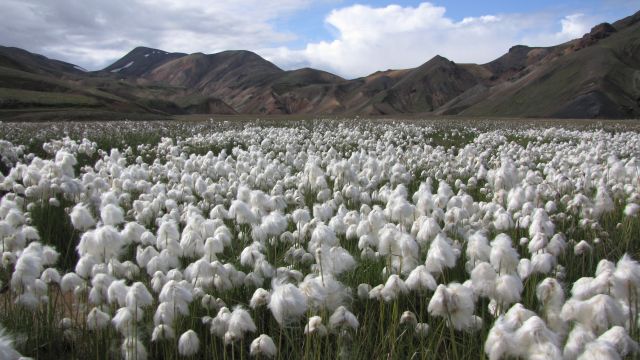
603 28
245 57
27 61
294 79
628 21
597 33
518 49
226 69
141 50
436 61
141 60
515 60
319 75
439 59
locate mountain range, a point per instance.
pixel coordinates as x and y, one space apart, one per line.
595 76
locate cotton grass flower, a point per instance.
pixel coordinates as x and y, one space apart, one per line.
342 319
261 297
97 319
263 346
287 303
112 215
188 343
7 351
315 327
239 323
454 303
81 218
420 280
162 332
133 349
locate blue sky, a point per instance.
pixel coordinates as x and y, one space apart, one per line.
308 24
346 37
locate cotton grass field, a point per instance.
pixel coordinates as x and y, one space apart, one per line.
320 239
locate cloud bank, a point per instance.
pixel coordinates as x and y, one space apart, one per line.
370 39
93 33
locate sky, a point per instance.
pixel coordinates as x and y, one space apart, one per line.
348 38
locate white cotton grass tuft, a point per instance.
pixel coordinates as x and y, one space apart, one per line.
531 334
263 346
70 281
440 255
138 296
287 303
81 218
420 280
162 332
483 280
239 323
632 209
408 318
188 343
478 249
598 314
597 350
503 257
578 338
7 351
220 323
343 319
133 349
315 327
51 276
627 279
581 248
112 215
551 295
126 320
393 288
524 269
261 297
455 303
620 339
508 289
97 319
422 330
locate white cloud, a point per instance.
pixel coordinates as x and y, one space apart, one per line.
92 33
573 26
370 39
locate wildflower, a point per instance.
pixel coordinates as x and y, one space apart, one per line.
315 326
188 343
408 318
420 280
343 319
264 346
133 349
287 303
162 332
261 297
239 323
97 319
81 218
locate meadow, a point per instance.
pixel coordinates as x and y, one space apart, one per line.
320 239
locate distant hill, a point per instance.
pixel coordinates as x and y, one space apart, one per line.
595 76
140 61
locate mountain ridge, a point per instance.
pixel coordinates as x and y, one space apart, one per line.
594 76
